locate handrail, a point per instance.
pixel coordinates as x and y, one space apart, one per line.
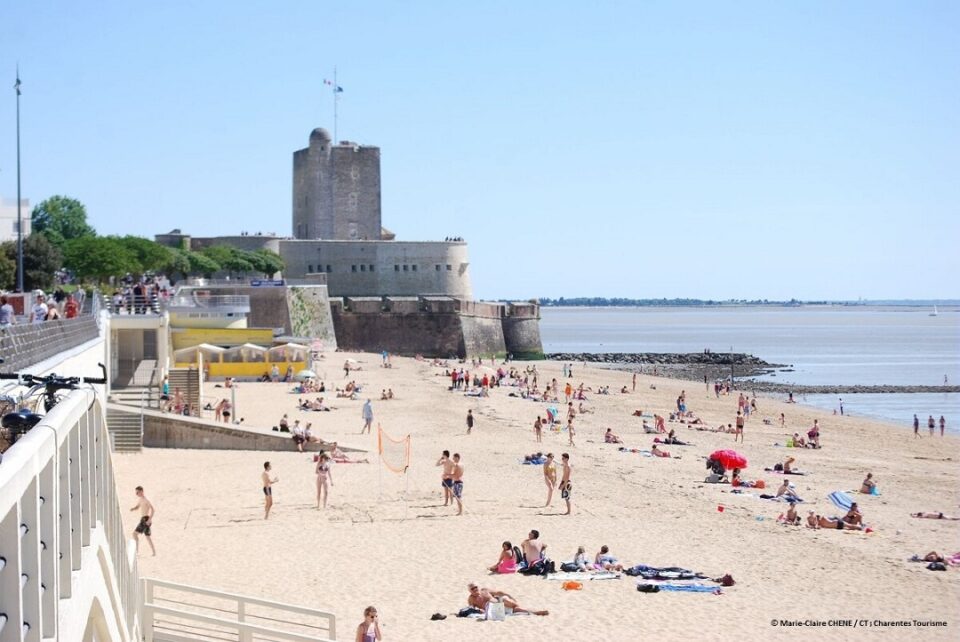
26 345
243 628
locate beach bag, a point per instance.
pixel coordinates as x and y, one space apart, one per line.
518 556
571 585
726 580
568 567
495 611
648 588
778 467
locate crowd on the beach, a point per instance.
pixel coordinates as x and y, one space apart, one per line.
576 399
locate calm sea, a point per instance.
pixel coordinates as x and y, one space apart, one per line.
823 344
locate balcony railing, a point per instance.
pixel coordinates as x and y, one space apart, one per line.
132 304
210 302
57 498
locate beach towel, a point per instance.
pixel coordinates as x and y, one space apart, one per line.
684 588
581 577
668 573
534 462
841 500
645 453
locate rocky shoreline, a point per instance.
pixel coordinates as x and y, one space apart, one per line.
694 366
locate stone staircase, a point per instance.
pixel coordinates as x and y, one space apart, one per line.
125 428
188 380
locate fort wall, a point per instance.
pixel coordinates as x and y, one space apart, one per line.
436 327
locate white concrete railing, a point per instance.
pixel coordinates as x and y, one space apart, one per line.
68 570
181 613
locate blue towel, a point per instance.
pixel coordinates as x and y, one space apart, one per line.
687 588
841 500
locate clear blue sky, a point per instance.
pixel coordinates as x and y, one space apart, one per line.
642 149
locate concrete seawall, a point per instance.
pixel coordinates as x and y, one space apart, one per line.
164 430
437 326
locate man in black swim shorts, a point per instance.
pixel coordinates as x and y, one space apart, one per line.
146 519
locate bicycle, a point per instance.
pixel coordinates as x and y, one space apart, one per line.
20 411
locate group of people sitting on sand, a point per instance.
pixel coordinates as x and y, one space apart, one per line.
315 405
310 385
350 391
852 521
386 394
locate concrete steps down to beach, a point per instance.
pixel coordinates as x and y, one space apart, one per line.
125 428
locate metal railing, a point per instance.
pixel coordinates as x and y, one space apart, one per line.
194 300
182 612
25 345
132 304
58 497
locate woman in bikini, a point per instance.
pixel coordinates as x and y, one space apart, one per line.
550 477
369 629
324 479
507 563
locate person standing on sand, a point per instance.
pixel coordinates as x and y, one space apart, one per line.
916 427
570 432
739 432
268 483
566 487
324 479
549 477
538 429
469 421
931 424
458 482
446 477
367 417
943 424
369 629
634 381
146 519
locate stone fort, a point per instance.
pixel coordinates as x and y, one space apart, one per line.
380 293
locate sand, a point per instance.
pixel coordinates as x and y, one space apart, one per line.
388 541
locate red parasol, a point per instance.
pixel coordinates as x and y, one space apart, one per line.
730 459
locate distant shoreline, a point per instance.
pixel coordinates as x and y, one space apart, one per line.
598 302
694 366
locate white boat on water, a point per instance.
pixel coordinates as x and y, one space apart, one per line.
934 313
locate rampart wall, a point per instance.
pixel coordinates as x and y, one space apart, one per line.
436 326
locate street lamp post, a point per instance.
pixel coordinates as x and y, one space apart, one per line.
16 86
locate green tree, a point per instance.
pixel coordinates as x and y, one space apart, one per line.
177 262
202 264
99 257
150 256
61 219
8 272
266 262
41 259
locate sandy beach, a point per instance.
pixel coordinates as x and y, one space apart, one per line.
387 540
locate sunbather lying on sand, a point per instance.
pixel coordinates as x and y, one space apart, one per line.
816 521
672 439
479 597
659 453
934 516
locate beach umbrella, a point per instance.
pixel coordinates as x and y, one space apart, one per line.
730 459
841 500
305 374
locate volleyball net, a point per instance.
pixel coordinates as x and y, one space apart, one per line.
394 453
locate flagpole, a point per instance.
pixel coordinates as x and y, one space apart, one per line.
19 201
335 100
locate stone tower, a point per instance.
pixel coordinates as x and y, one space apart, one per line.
336 190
